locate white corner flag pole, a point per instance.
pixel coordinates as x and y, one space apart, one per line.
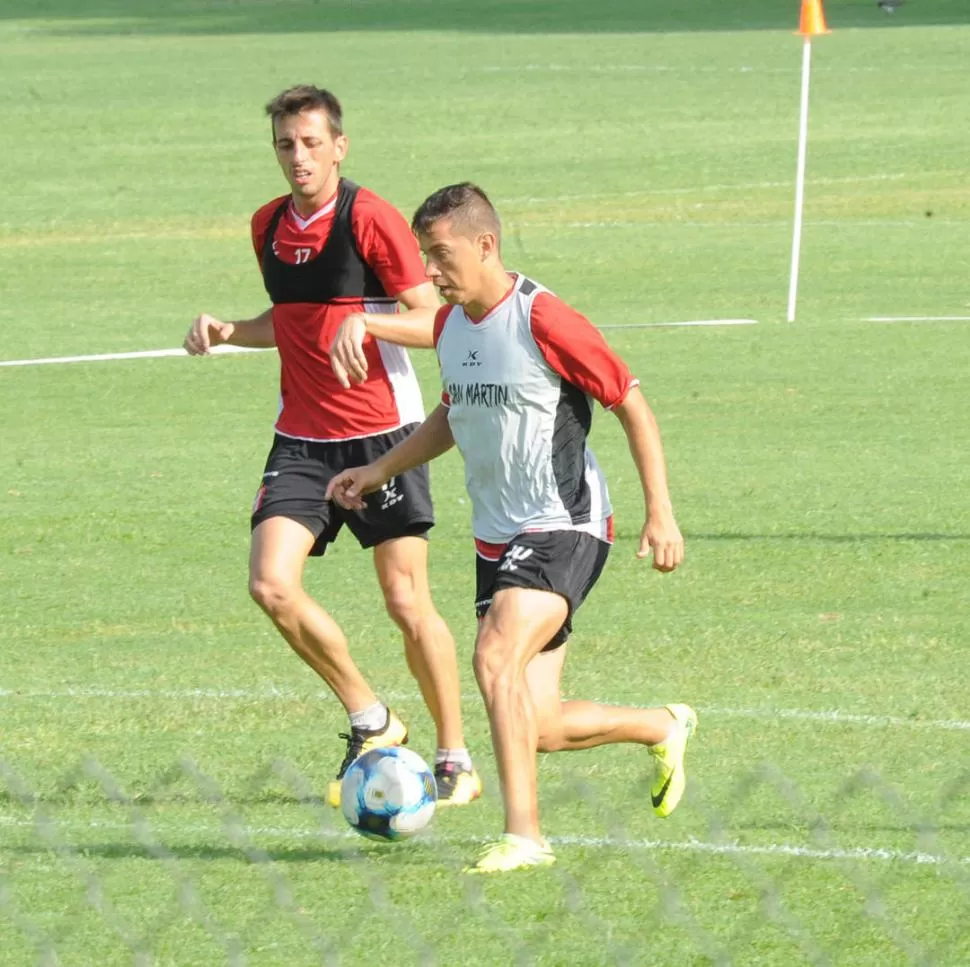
796 244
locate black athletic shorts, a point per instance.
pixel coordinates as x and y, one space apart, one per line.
567 563
295 481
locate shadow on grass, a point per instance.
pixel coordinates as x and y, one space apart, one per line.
207 851
827 538
809 537
482 16
90 795
411 854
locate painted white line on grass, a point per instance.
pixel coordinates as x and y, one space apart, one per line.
837 717
859 853
916 319
273 693
692 322
222 350
143 354
768 849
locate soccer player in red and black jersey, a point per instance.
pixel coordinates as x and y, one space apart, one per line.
520 370
336 260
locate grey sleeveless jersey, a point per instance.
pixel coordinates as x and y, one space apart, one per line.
520 426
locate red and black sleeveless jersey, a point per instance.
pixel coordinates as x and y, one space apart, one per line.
355 254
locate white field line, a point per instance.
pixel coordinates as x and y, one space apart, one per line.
838 717
917 319
221 350
279 694
101 357
859 853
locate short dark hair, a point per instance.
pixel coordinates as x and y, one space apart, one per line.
306 97
465 204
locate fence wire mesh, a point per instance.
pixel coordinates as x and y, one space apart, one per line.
63 900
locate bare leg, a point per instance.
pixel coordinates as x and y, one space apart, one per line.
518 624
279 551
565 726
402 569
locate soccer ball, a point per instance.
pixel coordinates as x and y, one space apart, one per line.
388 794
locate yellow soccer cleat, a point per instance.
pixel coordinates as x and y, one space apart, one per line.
512 852
457 786
360 741
669 779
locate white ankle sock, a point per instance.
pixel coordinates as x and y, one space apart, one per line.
459 757
373 719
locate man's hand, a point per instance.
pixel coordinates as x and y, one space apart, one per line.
661 535
347 357
206 332
349 486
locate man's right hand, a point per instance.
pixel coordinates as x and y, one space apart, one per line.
206 332
347 357
349 486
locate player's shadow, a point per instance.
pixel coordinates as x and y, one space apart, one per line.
462 16
403 854
60 797
131 851
914 536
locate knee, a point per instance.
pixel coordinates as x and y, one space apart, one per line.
273 595
404 606
493 661
550 737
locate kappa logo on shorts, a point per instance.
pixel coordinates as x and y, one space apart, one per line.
514 556
389 495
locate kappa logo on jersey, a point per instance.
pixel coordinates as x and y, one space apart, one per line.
472 359
390 495
514 556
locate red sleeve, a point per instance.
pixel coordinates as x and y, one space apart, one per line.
260 223
577 351
439 324
386 244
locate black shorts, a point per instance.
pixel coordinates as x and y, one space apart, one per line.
567 563
295 482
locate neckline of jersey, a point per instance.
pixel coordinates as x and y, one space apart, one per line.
304 223
516 280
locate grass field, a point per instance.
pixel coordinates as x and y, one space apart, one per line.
160 746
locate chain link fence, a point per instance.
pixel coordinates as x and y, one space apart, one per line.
869 886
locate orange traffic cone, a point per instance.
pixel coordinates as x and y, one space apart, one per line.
813 19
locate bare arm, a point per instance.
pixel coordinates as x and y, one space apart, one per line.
412 328
660 532
207 331
428 441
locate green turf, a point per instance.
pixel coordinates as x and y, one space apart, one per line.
163 748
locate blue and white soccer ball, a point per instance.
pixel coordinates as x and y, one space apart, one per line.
388 794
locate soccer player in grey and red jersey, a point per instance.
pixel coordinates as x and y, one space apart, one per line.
336 260
520 370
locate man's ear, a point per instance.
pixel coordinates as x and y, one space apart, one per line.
340 146
487 245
